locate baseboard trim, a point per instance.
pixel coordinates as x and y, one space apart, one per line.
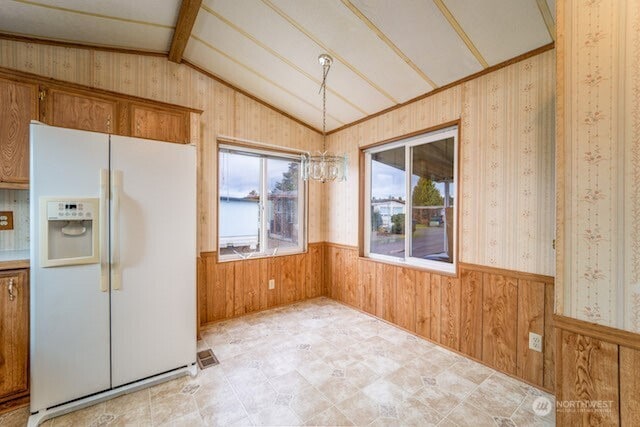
14 403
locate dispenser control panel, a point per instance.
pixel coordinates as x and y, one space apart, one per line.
69 231
69 211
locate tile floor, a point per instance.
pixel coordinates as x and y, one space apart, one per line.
320 363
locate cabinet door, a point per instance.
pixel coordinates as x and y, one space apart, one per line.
159 124
79 110
14 331
18 105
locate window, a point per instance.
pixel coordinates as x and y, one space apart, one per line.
261 203
410 200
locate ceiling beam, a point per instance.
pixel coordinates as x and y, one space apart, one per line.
30 38
187 17
279 56
331 52
463 35
263 77
548 18
382 36
95 15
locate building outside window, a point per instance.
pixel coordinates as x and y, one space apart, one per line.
410 200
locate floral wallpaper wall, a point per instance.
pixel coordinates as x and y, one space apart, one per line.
506 164
16 201
599 199
225 111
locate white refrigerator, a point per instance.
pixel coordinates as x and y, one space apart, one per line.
113 266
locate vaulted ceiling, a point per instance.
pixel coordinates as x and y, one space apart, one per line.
385 52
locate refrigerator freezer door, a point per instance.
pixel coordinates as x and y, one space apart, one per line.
70 352
153 312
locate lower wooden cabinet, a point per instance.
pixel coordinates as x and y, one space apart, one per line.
14 334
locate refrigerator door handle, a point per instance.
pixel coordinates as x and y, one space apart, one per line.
103 221
116 270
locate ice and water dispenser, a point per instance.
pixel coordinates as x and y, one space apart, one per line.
69 231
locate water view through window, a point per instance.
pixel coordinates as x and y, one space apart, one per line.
261 202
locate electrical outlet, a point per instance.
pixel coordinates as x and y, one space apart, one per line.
272 284
6 220
535 342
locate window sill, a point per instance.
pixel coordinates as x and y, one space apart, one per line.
234 258
414 266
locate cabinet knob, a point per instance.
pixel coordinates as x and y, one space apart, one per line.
11 290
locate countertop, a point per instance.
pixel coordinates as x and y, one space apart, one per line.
10 260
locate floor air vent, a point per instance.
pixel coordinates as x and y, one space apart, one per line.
206 359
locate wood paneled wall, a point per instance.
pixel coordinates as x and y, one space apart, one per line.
484 313
597 366
230 289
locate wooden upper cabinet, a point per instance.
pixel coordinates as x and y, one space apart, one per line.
79 110
14 332
25 97
161 124
18 106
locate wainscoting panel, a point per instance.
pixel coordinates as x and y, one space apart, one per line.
367 286
597 380
530 364
499 329
629 386
589 373
450 312
423 304
406 298
483 313
471 311
230 289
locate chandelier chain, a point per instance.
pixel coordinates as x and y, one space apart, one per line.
325 72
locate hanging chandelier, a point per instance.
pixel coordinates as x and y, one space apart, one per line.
324 166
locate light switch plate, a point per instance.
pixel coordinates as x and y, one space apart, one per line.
272 284
535 342
6 220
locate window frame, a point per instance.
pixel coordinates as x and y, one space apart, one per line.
264 153
449 130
